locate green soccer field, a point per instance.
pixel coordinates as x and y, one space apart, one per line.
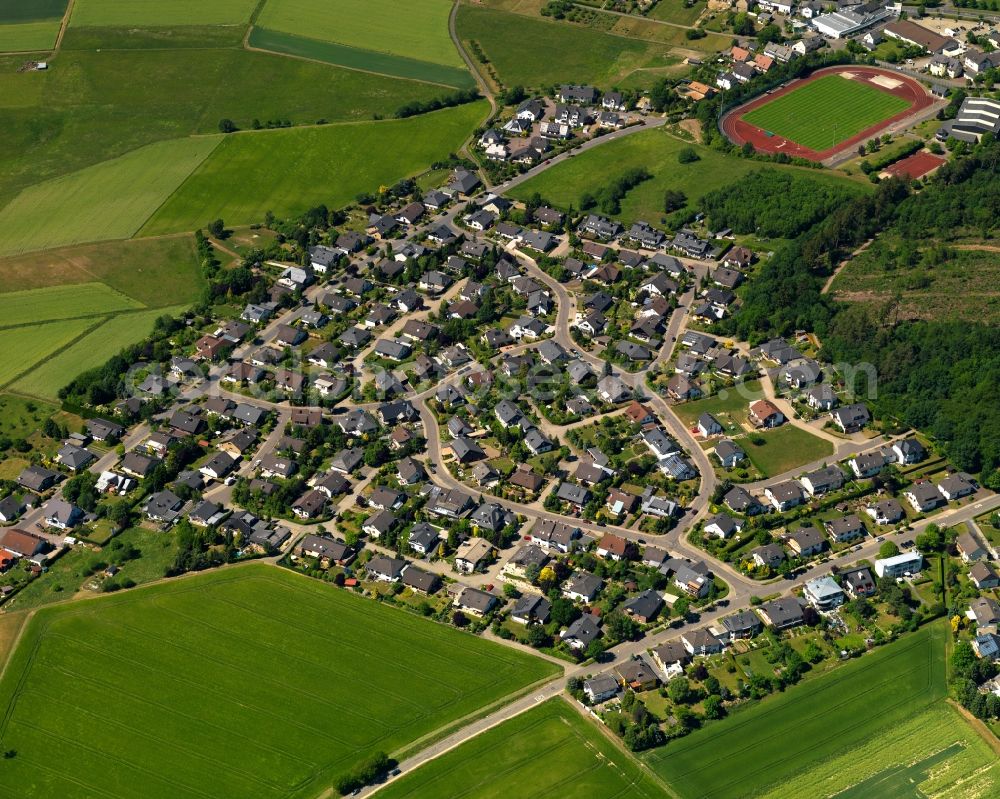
550 751
787 735
247 682
825 112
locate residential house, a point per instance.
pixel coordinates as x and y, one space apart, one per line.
782 613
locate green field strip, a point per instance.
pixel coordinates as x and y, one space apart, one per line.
342 55
220 688
549 751
110 200
778 738
29 36
18 11
62 302
162 13
291 170
27 346
415 29
825 112
89 352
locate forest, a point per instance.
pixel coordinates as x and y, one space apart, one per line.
940 377
771 203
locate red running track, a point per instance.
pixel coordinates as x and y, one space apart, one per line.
739 131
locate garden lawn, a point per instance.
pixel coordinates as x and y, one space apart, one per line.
550 750
826 111
106 201
61 302
785 736
249 681
29 36
33 344
89 352
105 101
935 754
729 406
677 11
532 51
20 417
656 151
416 29
355 58
161 13
154 272
70 573
290 171
785 448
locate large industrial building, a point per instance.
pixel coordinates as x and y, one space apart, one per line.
977 117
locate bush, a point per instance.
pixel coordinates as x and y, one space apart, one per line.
365 774
687 156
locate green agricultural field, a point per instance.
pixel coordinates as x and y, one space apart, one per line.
29 36
935 754
96 106
154 272
656 151
532 51
416 29
341 55
198 37
31 10
289 171
89 352
550 750
162 13
826 111
786 736
250 681
37 342
106 201
61 302
785 448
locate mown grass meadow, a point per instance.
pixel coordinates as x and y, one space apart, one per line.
246 682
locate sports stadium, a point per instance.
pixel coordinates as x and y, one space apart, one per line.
827 113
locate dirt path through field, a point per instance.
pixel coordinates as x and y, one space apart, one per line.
845 262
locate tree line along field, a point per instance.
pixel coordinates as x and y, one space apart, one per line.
778 739
657 152
162 13
97 106
825 112
550 750
342 55
250 681
289 171
417 29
